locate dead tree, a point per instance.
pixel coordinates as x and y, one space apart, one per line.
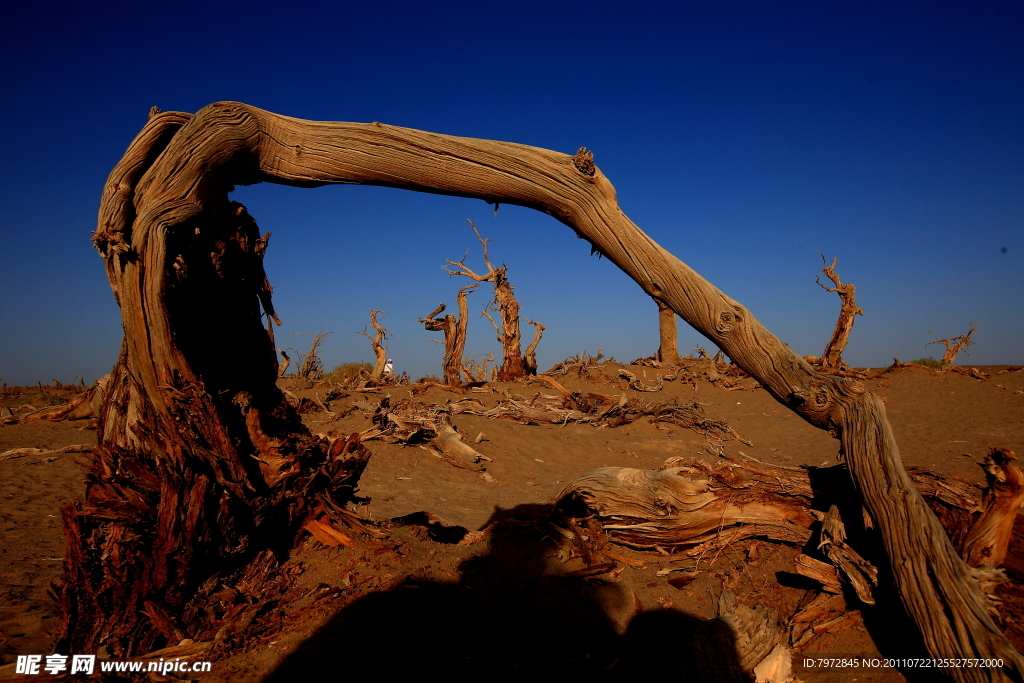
477 371
379 350
668 349
283 368
513 365
954 345
454 330
201 428
530 357
831 359
312 367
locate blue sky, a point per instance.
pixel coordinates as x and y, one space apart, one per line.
744 137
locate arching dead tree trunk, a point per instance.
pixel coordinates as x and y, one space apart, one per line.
513 365
668 348
831 359
954 345
454 330
379 350
208 424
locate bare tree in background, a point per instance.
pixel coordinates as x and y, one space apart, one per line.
454 330
832 359
668 347
954 345
514 365
380 351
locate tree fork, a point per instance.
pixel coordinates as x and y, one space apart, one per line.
155 198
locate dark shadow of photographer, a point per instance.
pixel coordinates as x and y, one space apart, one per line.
509 618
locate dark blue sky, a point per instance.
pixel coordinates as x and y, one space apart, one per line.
743 137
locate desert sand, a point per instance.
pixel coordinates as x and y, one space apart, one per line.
466 580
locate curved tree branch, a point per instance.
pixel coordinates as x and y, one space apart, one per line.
227 144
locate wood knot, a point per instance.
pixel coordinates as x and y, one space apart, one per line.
153 111
795 399
726 319
584 161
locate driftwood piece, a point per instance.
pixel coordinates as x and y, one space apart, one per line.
167 199
636 385
406 422
861 574
987 541
693 510
85 405
822 572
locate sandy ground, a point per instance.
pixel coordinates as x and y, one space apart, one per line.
502 607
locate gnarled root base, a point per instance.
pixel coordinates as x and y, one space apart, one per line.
155 538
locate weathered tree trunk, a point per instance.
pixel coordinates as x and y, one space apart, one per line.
514 365
191 415
454 330
988 540
668 349
530 357
954 345
832 357
379 350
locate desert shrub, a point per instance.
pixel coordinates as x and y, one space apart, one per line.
429 378
346 371
929 362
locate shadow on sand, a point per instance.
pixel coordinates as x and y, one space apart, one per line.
510 619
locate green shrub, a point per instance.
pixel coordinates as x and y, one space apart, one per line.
346 371
929 362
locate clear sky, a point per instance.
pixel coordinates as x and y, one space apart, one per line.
743 137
